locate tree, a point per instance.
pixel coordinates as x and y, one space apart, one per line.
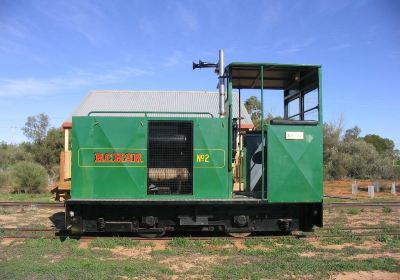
352 133
253 106
46 143
382 145
36 128
47 153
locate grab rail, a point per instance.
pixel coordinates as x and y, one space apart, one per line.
153 112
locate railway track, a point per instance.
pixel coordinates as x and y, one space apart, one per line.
390 204
53 233
31 204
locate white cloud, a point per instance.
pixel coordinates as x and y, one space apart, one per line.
36 87
84 18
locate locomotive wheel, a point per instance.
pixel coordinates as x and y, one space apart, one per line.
239 234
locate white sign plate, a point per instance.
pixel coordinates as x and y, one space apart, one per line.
294 135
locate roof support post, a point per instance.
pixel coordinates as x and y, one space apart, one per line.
221 85
262 130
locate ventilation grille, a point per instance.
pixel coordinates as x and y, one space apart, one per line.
170 158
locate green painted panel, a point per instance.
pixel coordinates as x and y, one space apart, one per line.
110 178
109 158
294 163
212 179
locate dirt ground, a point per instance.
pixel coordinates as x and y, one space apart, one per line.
367 275
31 217
343 188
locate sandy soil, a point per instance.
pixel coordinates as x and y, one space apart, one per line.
343 188
137 252
196 261
32 217
370 275
364 217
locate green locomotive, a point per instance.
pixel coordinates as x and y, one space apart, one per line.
152 172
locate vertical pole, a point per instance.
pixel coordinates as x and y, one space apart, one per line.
354 188
221 84
320 107
240 144
66 138
245 170
240 111
376 186
393 189
262 130
371 190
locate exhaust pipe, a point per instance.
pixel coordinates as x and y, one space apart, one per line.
221 85
219 70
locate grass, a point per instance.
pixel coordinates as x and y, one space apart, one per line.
351 211
219 242
387 210
52 259
278 258
184 243
42 197
6 211
108 243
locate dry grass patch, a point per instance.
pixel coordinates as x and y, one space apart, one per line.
395 256
368 244
182 264
126 253
368 275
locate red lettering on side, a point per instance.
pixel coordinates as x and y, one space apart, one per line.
118 157
108 157
98 157
128 158
137 158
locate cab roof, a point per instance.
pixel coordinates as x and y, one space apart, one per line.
276 76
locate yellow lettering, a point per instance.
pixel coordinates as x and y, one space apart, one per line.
202 157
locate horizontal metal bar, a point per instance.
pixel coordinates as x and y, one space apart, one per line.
313 108
150 112
306 111
294 115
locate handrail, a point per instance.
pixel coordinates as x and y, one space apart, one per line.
151 112
294 122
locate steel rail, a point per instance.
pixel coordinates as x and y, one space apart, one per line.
198 238
62 233
393 204
31 204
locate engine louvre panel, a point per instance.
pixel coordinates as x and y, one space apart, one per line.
170 157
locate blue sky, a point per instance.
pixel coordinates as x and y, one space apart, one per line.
53 52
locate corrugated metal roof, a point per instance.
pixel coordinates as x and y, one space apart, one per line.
156 101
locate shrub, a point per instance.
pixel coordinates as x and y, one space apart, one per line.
5 179
30 177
